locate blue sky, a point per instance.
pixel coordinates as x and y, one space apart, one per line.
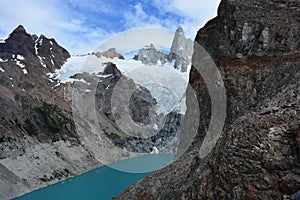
80 26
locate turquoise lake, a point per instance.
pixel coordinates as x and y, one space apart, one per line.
102 183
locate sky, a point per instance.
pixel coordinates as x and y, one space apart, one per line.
80 26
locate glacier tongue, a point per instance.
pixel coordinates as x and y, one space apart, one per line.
165 84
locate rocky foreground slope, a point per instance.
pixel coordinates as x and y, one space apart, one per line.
255 45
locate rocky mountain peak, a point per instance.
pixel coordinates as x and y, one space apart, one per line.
180 52
36 50
110 53
180 30
20 28
18 42
111 69
149 55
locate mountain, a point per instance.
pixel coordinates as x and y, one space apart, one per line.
181 50
180 53
255 45
150 56
105 86
110 53
52 130
37 133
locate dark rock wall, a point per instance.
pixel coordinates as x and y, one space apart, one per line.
255 45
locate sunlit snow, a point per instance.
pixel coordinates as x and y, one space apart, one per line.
20 57
166 84
20 64
25 71
1 60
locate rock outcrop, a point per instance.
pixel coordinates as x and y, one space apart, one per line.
180 53
256 47
181 50
149 55
110 53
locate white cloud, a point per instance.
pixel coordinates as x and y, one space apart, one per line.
195 13
52 19
139 18
66 21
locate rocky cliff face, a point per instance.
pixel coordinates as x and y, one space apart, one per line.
38 141
181 50
180 53
150 56
256 47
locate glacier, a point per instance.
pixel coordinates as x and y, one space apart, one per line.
166 84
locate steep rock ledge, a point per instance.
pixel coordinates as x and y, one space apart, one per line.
256 47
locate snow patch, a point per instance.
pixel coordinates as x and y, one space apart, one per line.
25 71
36 49
104 76
155 151
82 81
20 57
1 69
51 75
20 64
2 41
40 42
72 80
1 60
42 62
58 84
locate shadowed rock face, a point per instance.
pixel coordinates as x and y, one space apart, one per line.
29 105
252 28
140 108
256 47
